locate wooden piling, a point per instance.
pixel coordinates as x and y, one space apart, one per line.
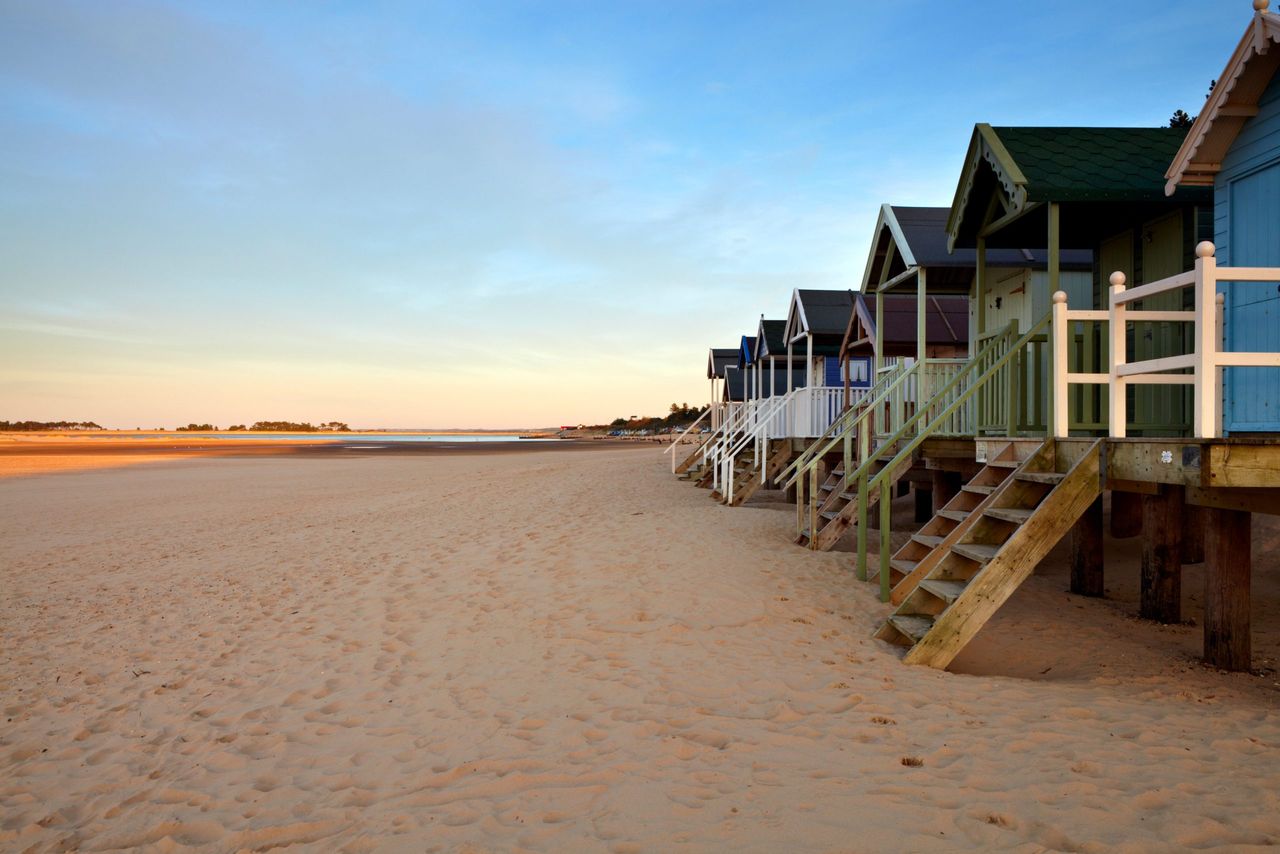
1087 552
1226 588
1161 593
1126 514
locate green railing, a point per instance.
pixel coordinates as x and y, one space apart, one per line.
996 368
824 443
855 423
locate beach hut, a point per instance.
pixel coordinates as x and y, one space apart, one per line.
718 358
914 316
1234 147
814 329
778 373
1082 188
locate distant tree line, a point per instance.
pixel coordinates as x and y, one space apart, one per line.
29 426
272 427
680 414
299 427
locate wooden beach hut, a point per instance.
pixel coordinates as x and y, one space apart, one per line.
1234 147
814 329
1088 396
923 294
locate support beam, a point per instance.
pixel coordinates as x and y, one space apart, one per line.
980 285
1126 514
879 345
1226 588
1161 593
1086 552
1055 285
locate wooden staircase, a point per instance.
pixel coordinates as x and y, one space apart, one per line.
689 461
838 503
921 553
1012 529
748 478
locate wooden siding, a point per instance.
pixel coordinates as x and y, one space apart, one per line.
1247 233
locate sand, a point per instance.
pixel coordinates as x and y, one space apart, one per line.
566 652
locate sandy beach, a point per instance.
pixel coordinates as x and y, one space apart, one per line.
572 652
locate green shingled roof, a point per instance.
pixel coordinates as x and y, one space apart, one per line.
1092 164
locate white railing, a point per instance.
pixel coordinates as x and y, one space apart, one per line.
813 408
680 439
1205 362
757 434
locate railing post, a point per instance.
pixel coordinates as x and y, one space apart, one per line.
814 492
886 517
1059 368
1220 308
862 527
1119 415
1206 398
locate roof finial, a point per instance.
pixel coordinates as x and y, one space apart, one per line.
1261 5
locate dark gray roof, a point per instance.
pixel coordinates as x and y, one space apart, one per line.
733 383
775 342
827 312
719 359
925 230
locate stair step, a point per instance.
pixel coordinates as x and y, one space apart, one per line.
905 567
954 515
829 514
1004 464
978 489
981 552
1016 515
927 540
849 496
1051 477
912 626
947 591
837 472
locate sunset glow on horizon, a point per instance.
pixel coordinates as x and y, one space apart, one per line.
500 215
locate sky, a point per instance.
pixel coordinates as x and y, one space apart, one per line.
492 214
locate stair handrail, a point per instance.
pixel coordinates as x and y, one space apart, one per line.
679 439
764 412
857 411
713 452
726 427
881 480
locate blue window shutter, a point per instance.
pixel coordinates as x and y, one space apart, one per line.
831 367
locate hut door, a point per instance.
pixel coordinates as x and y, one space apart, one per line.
1252 322
1161 410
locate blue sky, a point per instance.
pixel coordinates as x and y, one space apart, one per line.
492 213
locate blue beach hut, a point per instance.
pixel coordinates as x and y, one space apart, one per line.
1234 147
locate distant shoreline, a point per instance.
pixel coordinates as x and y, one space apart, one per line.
26 454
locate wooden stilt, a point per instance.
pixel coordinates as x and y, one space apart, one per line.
1087 551
1126 514
1161 594
1226 588
924 503
1192 534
